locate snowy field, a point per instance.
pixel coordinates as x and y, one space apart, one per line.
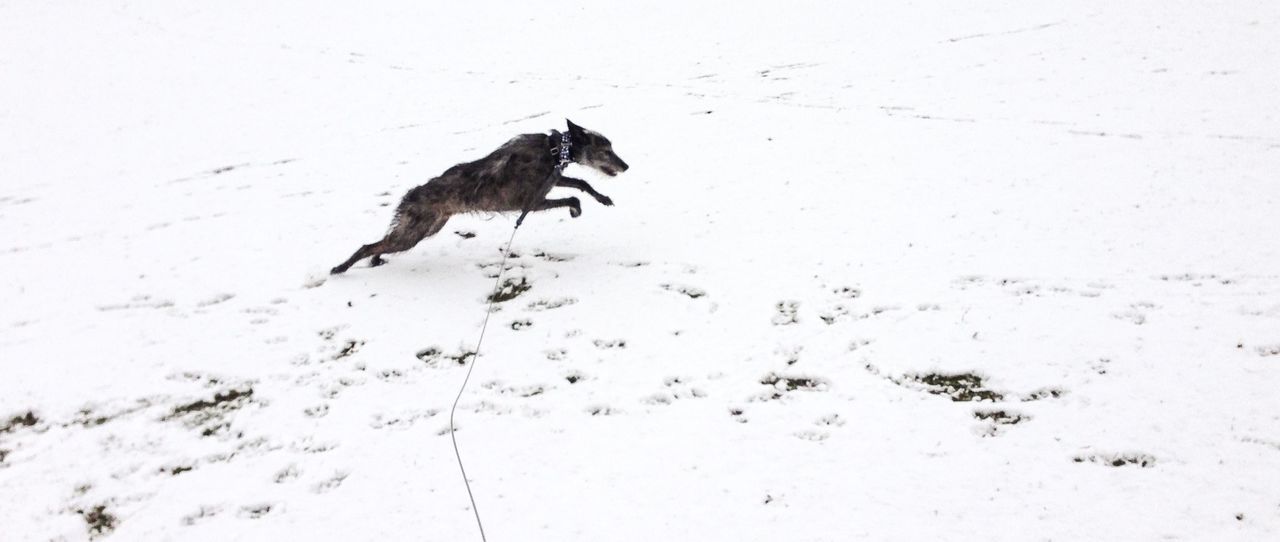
1001 270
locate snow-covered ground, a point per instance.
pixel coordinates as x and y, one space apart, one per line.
999 270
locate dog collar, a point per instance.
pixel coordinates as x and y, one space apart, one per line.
562 150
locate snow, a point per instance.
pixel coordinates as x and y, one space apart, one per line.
838 218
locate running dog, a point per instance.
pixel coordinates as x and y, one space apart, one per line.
516 177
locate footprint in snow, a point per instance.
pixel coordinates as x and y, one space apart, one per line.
847 292
602 410
834 314
138 302
204 512
692 292
254 511
214 300
812 435
553 257
830 420
996 420
548 304
290 472
610 344
331 483
786 313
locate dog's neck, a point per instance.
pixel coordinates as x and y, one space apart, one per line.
562 148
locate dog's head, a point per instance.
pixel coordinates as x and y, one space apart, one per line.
595 151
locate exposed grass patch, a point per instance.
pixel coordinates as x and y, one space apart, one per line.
511 288
221 400
1001 417
434 357
1118 460
1044 393
99 520
87 417
176 470
553 257
207 414
959 387
794 383
348 349
461 358
19 421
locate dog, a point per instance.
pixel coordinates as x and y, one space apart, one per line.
516 177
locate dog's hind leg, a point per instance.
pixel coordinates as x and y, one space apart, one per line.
570 182
404 237
407 232
360 254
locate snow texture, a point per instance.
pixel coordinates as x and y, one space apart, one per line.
999 270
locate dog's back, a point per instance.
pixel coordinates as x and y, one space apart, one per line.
501 181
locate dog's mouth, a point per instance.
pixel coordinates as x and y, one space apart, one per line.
614 167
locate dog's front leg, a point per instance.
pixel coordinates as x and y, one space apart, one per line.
570 182
538 197
575 207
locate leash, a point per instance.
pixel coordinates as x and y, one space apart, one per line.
474 359
563 152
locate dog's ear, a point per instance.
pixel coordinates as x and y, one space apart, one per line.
574 128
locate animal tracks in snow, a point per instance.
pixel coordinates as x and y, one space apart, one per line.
816 367
692 292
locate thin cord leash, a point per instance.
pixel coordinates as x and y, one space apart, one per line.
474 359
563 152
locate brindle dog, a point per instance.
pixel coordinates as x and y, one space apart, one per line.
516 177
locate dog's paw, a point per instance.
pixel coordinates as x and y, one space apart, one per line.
605 200
575 212
376 261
